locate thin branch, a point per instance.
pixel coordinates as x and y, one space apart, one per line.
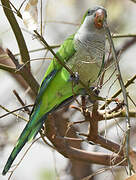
123 35
42 136
17 11
25 73
17 31
41 9
132 100
22 103
102 170
21 5
15 61
8 8
13 113
123 48
40 49
7 68
62 22
119 114
124 94
129 82
22 158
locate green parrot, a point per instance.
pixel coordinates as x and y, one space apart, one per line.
83 53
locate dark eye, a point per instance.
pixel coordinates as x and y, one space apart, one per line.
90 12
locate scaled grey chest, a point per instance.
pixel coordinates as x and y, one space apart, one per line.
88 59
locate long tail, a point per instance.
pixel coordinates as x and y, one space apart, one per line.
29 132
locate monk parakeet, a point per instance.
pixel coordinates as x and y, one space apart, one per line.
83 53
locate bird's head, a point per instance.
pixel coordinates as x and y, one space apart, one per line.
94 18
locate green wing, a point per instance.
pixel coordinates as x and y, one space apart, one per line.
65 52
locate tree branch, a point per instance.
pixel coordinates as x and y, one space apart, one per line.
123 92
7 68
17 31
62 146
25 73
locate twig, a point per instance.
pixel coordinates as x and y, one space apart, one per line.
70 125
117 115
40 49
22 157
124 47
7 68
102 170
11 112
41 9
8 8
18 109
63 22
73 139
21 5
117 108
17 31
17 11
21 102
75 107
25 73
42 136
131 100
123 35
124 94
115 80
129 82
15 61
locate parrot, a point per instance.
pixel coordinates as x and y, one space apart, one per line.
83 53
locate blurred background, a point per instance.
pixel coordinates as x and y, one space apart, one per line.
60 18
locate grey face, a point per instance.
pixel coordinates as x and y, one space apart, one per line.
92 12
94 18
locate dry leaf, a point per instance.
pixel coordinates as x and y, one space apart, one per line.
30 15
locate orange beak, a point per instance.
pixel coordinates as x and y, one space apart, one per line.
99 18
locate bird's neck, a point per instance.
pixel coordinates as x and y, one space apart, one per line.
93 43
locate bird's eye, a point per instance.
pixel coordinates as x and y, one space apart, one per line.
90 12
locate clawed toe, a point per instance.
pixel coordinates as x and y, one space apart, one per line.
75 78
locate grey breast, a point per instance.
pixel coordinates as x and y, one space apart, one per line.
88 57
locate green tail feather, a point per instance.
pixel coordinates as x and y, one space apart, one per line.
29 132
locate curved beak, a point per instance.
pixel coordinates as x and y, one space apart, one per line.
99 18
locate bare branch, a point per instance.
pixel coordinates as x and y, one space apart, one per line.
124 95
25 73
17 31
63 147
128 83
7 68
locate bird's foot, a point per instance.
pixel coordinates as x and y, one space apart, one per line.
95 90
75 78
92 88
